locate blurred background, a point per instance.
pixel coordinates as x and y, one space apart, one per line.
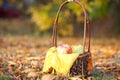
36 17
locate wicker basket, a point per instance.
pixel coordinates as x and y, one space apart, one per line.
82 63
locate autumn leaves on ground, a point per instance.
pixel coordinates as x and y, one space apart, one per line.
22 57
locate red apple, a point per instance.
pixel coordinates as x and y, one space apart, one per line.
64 48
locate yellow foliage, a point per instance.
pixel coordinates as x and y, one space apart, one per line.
1 2
44 15
12 1
66 30
41 19
45 21
67 13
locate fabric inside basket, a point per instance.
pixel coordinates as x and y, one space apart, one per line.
61 63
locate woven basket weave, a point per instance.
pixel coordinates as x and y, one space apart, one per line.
81 65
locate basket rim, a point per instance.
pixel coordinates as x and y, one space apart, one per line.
84 54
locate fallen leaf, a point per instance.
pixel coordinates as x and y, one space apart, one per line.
90 63
32 74
1 58
25 61
1 73
11 63
109 53
75 78
28 70
34 63
48 77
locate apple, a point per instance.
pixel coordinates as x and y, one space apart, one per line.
77 49
64 48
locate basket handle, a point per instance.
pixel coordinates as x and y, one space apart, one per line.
86 23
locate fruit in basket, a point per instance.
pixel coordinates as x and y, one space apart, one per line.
64 48
77 49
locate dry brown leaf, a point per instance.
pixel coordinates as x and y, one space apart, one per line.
28 70
32 74
35 58
90 63
1 58
34 63
75 78
29 58
10 68
109 53
1 73
17 73
25 61
118 78
48 77
11 63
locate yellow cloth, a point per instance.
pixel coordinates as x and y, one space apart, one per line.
61 63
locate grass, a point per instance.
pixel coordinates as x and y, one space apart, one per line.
3 77
101 76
